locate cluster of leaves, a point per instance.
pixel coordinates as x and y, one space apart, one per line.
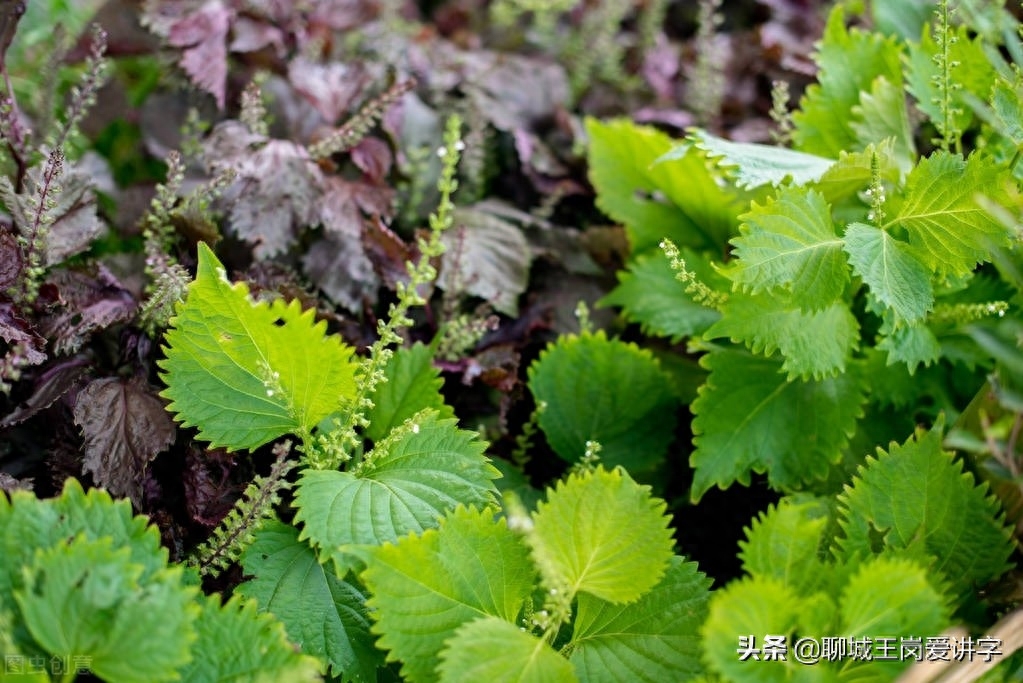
900 551
850 269
366 565
836 293
82 577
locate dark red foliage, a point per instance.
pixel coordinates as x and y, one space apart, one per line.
209 489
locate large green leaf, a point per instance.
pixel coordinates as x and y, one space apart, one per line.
89 599
948 227
815 344
324 614
407 486
425 587
680 200
609 391
789 243
888 267
650 295
750 419
115 557
578 542
413 384
493 650
848 61
915 499
246 373
654 639
238 643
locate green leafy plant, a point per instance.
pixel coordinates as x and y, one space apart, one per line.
250 373
561 577
799 311
80 576
836 294
378 533
917 536
374 547
811 270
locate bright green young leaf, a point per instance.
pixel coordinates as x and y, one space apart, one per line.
652 640
88 598
916 499
754 164
890 597
750 608
948 228
406 486
848 61
425 587
811 344
493 650
881 115
750 419
246 373
607 391
238 643
851 174
579 540
912 345
680 200
785 543
413 384
620 155
789 243
890 269
325 615
650 295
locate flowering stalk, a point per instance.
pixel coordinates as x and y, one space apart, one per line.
696 288
329 450
357 127
83 95
32 239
